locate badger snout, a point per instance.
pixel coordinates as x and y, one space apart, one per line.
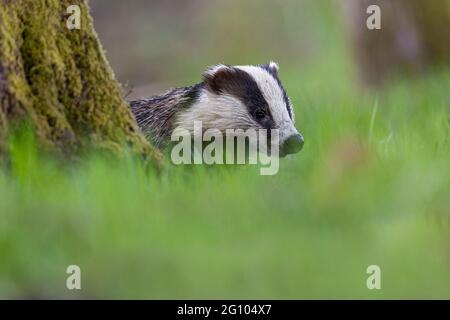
292 144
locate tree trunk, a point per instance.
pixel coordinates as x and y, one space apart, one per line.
59 81
414 36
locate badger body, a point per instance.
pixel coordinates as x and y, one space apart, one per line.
229 97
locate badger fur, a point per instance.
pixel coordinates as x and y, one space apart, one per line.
229 97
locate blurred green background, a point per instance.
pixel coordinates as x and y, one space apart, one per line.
370 187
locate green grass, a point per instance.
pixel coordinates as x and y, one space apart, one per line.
371 186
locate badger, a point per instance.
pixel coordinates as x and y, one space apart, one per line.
229 97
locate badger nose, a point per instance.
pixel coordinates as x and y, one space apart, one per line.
293 144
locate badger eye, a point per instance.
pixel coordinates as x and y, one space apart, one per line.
260 114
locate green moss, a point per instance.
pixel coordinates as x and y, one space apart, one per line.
60 81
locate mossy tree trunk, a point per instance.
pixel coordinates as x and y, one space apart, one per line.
414 36
59 81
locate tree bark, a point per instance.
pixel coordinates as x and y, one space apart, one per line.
60 82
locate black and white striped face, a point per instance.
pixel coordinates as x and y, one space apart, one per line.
244 97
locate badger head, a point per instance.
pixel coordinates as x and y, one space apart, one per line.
243 97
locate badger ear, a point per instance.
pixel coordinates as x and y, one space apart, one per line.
272 67
218 77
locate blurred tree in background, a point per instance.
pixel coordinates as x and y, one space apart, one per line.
414 36
59 81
